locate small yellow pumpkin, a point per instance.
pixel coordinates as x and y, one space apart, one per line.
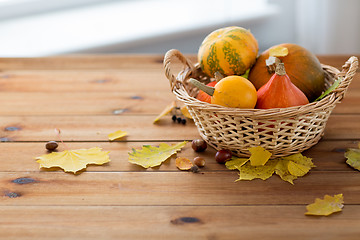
230 51
231 91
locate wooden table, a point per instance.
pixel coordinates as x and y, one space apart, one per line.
88 97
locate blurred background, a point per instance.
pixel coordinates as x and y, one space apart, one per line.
33 28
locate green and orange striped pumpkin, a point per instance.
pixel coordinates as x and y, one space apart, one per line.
230 51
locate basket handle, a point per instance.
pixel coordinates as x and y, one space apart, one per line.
347 73
167 65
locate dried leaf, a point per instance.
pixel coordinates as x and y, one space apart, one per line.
74 160
151 156
326 206
117 135
278 51
259 156
353 158
297 170
184 110
166 111
330 89
235 163
183 163
282 171
291 167
288 168
250 172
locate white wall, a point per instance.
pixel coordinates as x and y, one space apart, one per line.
155 26
321 26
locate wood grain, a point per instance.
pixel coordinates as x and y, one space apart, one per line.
97 128
172 188
181 222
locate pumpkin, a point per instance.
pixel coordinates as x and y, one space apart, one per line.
230 51
203 96
302 67
280 92
231 91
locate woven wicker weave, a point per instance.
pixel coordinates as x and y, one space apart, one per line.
282 131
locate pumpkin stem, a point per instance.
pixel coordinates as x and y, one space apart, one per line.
207 89
280 69
218 76
271 63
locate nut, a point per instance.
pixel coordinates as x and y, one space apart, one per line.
199 161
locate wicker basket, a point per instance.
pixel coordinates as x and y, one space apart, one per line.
282 131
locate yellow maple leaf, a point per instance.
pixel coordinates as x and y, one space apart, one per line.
297 170
278 51
282 171
151 156
291 167
326 206
117 135
250 172
166 111
259 156
235 163
74 160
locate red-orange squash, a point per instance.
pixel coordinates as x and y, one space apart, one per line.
203 96
302 67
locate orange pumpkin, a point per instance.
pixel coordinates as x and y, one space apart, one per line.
302 67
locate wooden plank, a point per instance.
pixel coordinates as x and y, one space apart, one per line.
326 155
82 62
111 80
167 222
83 103
96 128
171 188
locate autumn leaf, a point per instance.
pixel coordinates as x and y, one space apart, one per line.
353 157
235 163
73 160
259 156
151 156
250 172
288 168
278 51
183 163
117 135
291 167
326 206
282 171
166 111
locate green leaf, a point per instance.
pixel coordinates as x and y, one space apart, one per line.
330 89
151 156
